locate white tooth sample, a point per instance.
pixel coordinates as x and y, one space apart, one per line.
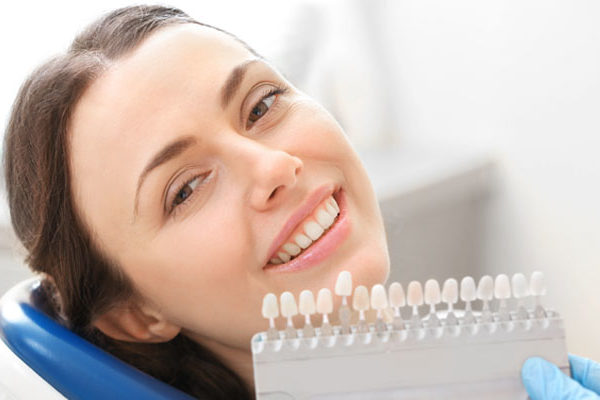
450 296
468 292
288 310
324 301
288 305
450 292
414 296
331 210
325 307
270 309
379 302
302 240
502 287
343 285
307 308
519 286
397 299
396 295
324 219
334 204
432 292
360 300
537 287
485 293
537 284
307 303
313 230
502 293
379 299
485 288
284 256
432 297
275 260
520 290
292 248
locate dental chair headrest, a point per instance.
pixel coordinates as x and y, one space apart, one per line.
72 365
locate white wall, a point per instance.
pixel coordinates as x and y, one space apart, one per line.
521 78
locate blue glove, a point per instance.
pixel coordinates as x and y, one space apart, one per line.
544 381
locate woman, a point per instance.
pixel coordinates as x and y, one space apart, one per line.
165 178
161 172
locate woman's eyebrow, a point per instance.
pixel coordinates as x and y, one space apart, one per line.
168 152
233 82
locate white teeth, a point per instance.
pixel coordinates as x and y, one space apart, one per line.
307 302
288 305
343 285
324 302
378 297
313 230
270 308
302 240
432 292
284 256
292 248
502 287
396 294
330 209
360 300
468 292
324 218
485 288
519 286
334 204
414 294
450 291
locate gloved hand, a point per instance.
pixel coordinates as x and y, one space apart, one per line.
544 381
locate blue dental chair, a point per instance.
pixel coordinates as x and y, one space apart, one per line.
41 359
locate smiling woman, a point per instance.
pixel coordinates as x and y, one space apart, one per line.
166 177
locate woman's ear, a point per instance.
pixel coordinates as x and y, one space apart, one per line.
132 322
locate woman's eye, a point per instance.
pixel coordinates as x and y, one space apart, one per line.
264 105
186 191
261 108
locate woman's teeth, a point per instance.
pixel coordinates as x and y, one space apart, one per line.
311 229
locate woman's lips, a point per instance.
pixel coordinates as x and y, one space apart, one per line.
322 247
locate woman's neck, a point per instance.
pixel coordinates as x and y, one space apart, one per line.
237 359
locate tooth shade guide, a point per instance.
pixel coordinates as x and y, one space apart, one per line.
382 364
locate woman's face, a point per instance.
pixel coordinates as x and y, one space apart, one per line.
194 162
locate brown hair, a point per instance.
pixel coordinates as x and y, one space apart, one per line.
36 160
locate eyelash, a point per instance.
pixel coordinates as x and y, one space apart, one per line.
273 91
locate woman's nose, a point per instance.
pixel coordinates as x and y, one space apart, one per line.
272 173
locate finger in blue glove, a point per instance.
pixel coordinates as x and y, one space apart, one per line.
586 372
544 381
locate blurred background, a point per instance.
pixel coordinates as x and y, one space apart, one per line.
478 122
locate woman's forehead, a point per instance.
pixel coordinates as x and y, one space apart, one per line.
176 69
